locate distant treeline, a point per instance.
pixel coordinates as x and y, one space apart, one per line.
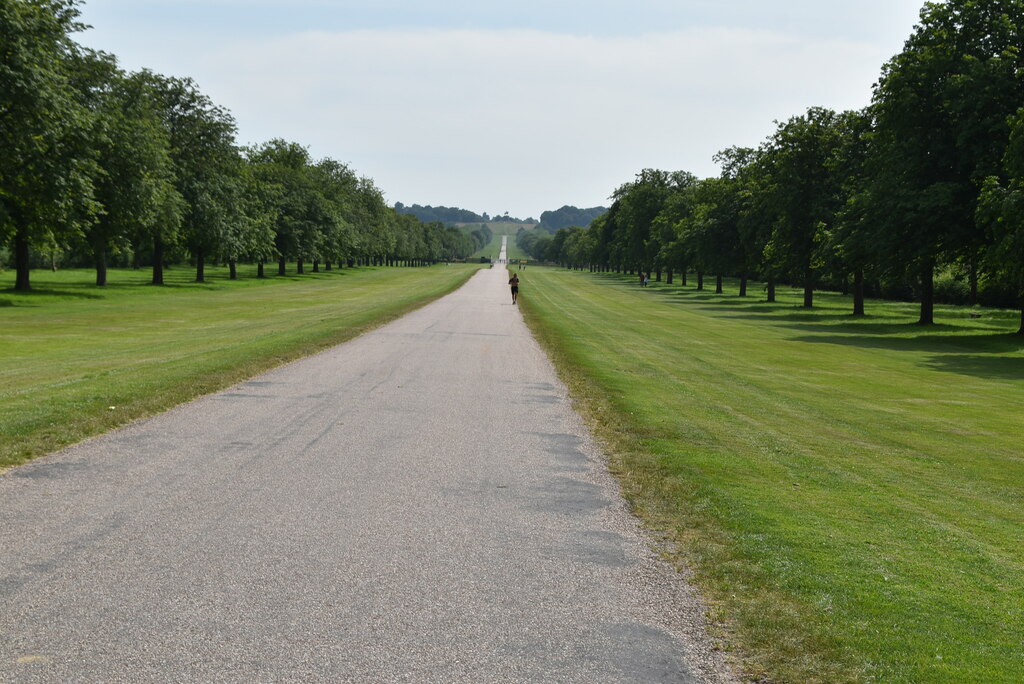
920 195
449 215
101 166
569 216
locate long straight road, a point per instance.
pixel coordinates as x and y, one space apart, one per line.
420 504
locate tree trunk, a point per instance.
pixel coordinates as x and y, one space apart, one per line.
327 265
668 277
21 262
200 266
771 289
657 276
300 267
259 269
700 280
158 260
743 284
281 267
1021 331
137 255
682 276
232 269
718 284
99 256
316 266
973 278
858 292
808 288
927 294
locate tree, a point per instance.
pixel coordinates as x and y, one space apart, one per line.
941 109
639 203
851 239
738 173
374 223
711 232
802 192
534 242
284 169
1001 210
46 165
668 226
253 236
339 187
635 242
206 162
555 250
568 216
579 248
134 173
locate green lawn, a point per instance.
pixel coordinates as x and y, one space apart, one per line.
850 492
77 360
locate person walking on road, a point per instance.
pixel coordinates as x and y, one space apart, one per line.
514 283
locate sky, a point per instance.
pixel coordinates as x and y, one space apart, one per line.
515 107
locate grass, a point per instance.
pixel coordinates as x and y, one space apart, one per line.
848 491
77 360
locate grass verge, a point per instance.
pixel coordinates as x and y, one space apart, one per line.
848 491
77 360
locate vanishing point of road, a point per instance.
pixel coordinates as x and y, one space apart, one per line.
420 504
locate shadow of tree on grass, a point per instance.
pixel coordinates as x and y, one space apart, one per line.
982 355
43 294
991 367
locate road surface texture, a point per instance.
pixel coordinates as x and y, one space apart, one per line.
420 504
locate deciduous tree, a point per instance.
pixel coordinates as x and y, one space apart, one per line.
46 161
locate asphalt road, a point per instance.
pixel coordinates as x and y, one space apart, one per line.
418 505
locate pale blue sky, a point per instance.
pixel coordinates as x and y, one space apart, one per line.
511 106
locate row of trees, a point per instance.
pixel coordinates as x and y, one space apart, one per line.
927 181
100 163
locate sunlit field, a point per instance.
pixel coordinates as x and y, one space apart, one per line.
848 491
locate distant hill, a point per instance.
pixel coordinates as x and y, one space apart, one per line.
450 215
567 216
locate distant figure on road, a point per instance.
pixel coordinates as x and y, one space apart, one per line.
514 283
